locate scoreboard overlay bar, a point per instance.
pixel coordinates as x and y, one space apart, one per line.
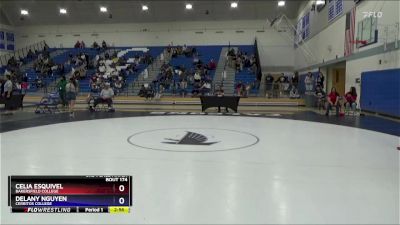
70 194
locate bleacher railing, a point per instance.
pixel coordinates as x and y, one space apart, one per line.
21 53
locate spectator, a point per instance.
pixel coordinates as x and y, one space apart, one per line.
7 91
205 88
321 97
77 44
83 44
106 96
350 99
239 87
333 101
104 45
294 93
212 65
30 54
295 79
118 86
320 79
71 92
24 84
61 86
309 81
96 46
269 85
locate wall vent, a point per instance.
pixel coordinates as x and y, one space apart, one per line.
59 35
260 31
95 35
239 31
24 36
41 35
199 32
76 35
219 32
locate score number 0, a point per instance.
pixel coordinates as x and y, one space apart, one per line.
121 200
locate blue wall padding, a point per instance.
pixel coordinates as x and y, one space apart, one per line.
380 91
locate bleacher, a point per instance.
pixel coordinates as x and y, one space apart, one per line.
246 76
205 54
59 59
131 77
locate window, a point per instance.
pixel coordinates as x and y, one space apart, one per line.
335 8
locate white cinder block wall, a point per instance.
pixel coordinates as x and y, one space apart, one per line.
273 49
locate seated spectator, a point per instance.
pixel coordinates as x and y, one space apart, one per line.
196 89
294 93
30 54
205 88
82 44
212 65
106 96
321 95
118 86
333 101
239 86
350 99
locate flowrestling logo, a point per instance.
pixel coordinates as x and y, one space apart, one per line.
193 139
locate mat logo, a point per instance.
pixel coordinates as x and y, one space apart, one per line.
191 138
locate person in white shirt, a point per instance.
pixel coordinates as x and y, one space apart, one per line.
71 92
106 96
205 88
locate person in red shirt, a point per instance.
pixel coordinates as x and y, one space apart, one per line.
212 65
333 101
350 99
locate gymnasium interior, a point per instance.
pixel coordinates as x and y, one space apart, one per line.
213 112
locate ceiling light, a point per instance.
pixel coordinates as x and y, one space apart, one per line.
320 2
24 12
63 11
145 8
189 6
103 9
234 4
281 3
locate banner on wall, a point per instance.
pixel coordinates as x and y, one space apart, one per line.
10 41
2 41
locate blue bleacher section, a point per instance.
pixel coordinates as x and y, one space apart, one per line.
380 91
246 76
59 59
205 54
153 51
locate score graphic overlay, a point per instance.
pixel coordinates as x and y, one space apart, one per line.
70 194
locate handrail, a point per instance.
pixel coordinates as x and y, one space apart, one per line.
22 52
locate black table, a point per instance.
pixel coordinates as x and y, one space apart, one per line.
231 102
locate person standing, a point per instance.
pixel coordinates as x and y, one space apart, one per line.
71 92
61 85
320 80
8 88
309 80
